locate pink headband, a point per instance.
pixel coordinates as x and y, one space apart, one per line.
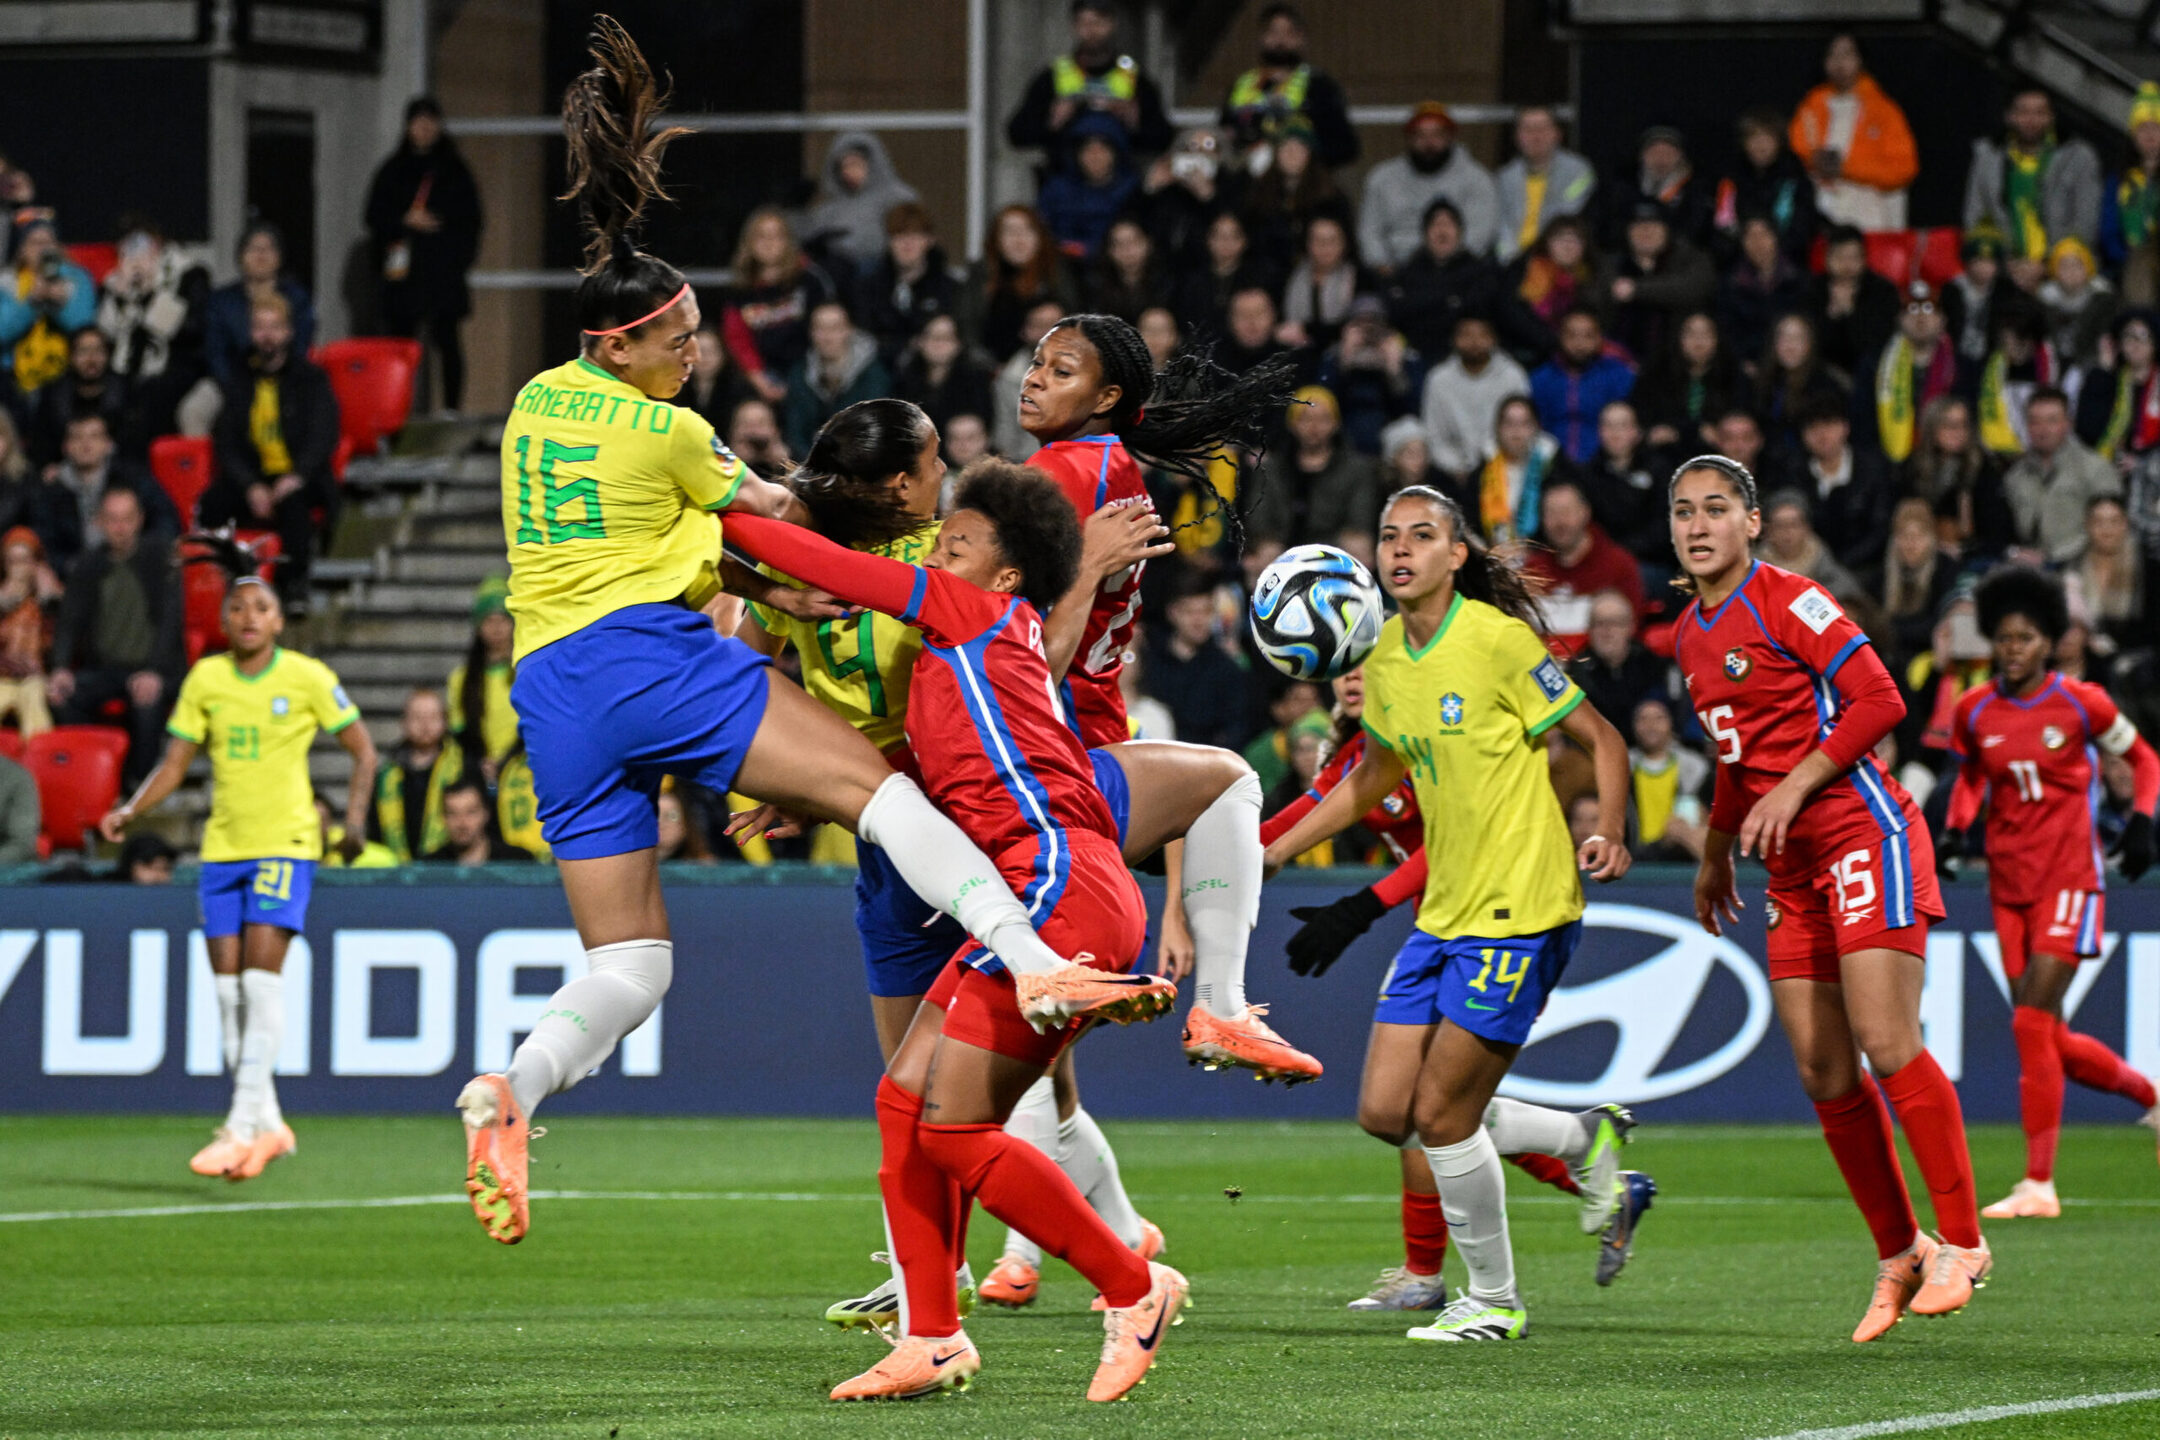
665 306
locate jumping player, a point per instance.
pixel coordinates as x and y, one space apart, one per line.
1458 692
608 500
1795 700
987 729
1588 1160
2028 745
256 709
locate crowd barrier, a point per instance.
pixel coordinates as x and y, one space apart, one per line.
404 986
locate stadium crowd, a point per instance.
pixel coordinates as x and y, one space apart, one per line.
1543 341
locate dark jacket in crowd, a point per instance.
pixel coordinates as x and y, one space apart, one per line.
1852 340
1783 194
1201 299
894 310
226 342
1206 694
965 390
56 513
53 406
1296 507
1427 296
1750 305
1681 280
307 416
1029 127
75 629
1854 518
1627 499
1617 690
438 262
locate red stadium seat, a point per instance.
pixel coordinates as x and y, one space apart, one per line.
340 458
11 744
1890 255
373 380
185 465
77 768
95 256
203 587
1939 257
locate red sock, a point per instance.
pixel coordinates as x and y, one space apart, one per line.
2096 1067
1424 1233
1857 1125
921 1204
2040 1087
1934 1123
1024 1188
1549 1168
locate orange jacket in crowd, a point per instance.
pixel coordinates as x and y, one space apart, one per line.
1882 156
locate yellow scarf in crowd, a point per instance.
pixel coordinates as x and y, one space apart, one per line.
267 431
41 355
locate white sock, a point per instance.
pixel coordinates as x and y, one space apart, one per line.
1089 1162
254 1104
228 1004
951 874
1223 858
1473 1197
1519 1129
585 1018
1035 1120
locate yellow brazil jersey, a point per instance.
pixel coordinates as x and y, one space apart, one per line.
500 725
1464 715
256 730
517 809
604 494
859 667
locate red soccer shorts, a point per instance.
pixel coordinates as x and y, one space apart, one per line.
1099 913
2066 926
1871 892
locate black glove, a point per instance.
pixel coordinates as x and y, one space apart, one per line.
2134 854
1329 929
1950 854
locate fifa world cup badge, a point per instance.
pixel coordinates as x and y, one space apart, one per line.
1737 663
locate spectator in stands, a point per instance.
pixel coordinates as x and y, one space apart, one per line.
1321 289
156 308
766 315
1020 270
1193 675
1762 285
1079 201
2034 187
841 368
116 646
1406 459
1128 278
18 488
1855 143
64 512
1737 435
469 830
681 843
1520 461
1375 375
753 433
147 858
2111 571
1665 181
1556 274
967 439
1440 284
1792 380
1159 329
1968 297
1094 79
1006 436
43 300
1293 192
1575 560
857 189
1917 368
423 211
226 337
1463 393
372 854
408 812
1316 488
1657 278
939 375
1399 194
1572 387
17 186
1545 182
2080 303
1615 670
1625 483
1668 782
26 589
908 284
1289 709
1855 309
20 814
1182 192
2130 205
87 387
1956 475
1253 323
1285 85
1202 295
2050 487
1770 182
276 431
2024 359
1914 580
2118 409
1849 490
716 386
478 691
1789 542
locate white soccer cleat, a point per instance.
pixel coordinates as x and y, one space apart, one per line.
2029 1199
1400 1288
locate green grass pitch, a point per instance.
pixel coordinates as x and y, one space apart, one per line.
697 1315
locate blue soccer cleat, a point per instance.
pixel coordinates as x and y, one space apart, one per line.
1637 1192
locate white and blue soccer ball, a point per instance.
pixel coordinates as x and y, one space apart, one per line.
1316 613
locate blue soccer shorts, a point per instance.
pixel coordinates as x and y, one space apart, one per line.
254 892
1493 988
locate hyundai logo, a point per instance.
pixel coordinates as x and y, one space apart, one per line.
1648 1004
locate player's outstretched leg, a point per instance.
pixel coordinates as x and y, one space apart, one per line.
1617 1245
2091 1064
1588 1141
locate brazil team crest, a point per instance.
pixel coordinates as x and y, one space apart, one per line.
279 705
1451 709
1737 663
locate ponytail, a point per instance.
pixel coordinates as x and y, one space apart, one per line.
842 482
1493 577
614 167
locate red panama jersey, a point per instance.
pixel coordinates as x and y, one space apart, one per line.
1093 471
1395 819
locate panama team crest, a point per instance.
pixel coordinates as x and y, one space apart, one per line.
1451 709
1737 663
2053 737
1772 916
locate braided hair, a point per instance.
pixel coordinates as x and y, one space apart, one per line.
1185 417
614 164
1494 577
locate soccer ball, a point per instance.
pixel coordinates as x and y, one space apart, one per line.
1316 613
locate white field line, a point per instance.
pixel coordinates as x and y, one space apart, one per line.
1949 1419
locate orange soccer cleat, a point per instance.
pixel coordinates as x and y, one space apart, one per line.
2029 1199
1077 990
1132 1335
1951 1279
1012 1284
269 1145
1246 1041
1151 1245
1897 1280
495 1157
916 1367
224 1151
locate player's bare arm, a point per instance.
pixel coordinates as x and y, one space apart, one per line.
1378 771
1604 856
